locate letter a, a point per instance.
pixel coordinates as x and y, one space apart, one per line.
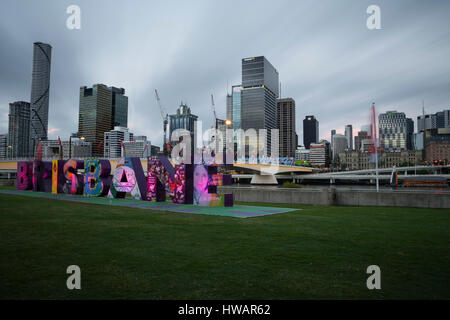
374 281
373 21
74 280
74 20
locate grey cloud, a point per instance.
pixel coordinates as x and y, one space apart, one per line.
328 61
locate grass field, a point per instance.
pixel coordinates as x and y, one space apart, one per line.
313 253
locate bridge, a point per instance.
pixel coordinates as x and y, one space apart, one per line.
357 175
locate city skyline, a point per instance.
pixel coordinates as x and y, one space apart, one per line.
326 73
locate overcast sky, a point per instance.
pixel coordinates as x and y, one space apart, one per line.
329 62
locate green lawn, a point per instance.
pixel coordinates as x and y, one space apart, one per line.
313 253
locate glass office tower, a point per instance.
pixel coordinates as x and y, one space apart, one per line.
95 116
119 107
260 84
18 129
310 131
236 106
395 131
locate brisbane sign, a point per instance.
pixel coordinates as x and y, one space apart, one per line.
93 177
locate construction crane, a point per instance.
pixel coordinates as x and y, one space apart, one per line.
164 117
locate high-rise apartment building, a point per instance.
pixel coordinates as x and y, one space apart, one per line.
3 145
310 131
349 136
260 85
395 131
18 129
40 89
286 125
113 139
340 144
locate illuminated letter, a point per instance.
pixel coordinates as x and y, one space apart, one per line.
58 178
42 176
24 175
73 181
97 179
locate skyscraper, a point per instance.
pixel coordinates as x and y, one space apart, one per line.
40 88
340 143
395 131
3 145
236 107
229 115
119 107
18 129
286 125
101 109
95 116
183 119
258 97
333 132
362 135
426 122
409 133
112 141
439 119
310 131
349 136
443 119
